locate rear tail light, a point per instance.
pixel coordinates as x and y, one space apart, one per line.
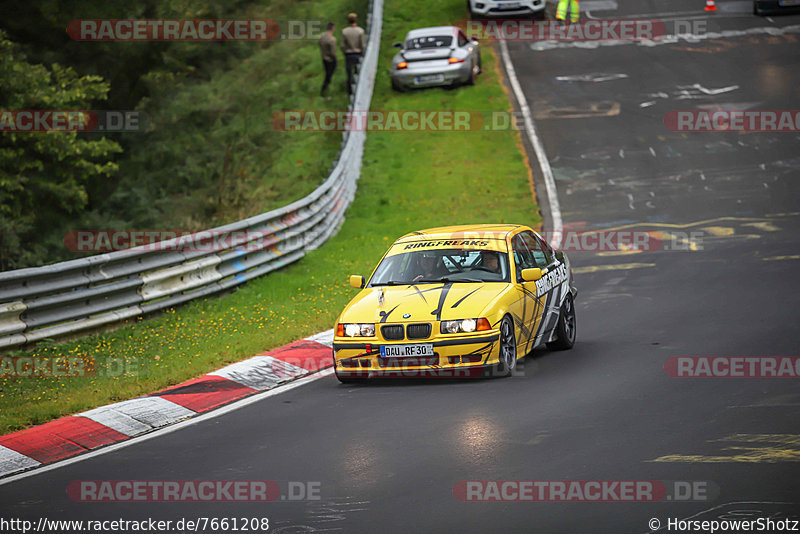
455 60
402 65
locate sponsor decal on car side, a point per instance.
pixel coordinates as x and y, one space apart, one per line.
551 280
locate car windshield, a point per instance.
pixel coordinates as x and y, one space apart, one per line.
430 41
442 265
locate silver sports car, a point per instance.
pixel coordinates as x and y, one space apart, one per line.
442 55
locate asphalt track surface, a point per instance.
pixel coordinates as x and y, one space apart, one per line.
388 455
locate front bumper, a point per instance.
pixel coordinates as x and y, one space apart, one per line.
496 9
454 356
450 74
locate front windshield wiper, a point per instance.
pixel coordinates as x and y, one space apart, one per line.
389 283
450 280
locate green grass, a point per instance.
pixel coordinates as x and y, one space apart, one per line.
409 181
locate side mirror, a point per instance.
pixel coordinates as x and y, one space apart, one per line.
356 281
398 45
532 275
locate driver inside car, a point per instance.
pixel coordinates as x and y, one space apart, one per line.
491 261
427 268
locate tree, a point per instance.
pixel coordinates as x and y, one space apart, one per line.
43 175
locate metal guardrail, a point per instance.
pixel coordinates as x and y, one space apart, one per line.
72 296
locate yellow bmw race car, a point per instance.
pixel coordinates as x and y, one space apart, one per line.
458 301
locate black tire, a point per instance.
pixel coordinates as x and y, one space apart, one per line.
473 76
397 87
566 328
508 349
351 380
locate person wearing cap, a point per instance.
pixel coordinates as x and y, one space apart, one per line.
354 41
327 47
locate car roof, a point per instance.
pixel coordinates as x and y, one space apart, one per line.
489 231
434 30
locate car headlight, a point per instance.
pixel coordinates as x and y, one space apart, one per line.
355 330
464 325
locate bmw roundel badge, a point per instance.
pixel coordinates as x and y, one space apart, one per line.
406 315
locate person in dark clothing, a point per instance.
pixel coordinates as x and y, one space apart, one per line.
327 47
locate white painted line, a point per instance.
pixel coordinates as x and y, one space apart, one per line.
599 5
178 426
538 147
540 46
141 415
12 461
593 77
323 338
260 372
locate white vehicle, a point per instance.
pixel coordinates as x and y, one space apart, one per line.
502 8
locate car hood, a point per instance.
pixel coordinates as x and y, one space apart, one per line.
422 302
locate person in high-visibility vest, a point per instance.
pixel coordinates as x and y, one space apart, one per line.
574 10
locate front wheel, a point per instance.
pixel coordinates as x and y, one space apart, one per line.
508 349
566 327
347 379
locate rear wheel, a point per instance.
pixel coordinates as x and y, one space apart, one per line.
508 348
473 75
566 327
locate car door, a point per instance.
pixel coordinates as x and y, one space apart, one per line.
529 308
549 288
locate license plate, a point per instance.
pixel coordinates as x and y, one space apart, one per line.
405 351
430 78
783 3
508 5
